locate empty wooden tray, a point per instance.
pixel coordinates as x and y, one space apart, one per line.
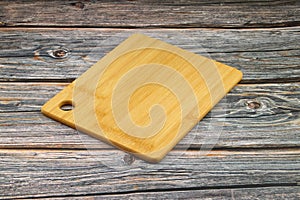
144 96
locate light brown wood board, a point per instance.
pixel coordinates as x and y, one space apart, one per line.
144 96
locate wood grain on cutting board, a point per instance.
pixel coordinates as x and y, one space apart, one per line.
144 96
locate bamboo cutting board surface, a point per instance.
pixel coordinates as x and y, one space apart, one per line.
144 96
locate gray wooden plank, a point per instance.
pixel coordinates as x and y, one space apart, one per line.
263 55
258 193
38 173
269 55
234 122
16 97
216 13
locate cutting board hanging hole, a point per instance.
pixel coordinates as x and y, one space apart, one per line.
67 105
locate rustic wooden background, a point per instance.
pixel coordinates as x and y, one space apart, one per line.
258 153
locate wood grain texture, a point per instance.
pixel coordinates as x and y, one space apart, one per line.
263 55
274 193
266 54
35 173
215 13
23 126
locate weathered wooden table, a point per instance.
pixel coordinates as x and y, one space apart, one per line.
46 45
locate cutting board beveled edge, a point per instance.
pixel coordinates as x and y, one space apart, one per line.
138 54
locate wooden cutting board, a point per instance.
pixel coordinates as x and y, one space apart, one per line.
144 96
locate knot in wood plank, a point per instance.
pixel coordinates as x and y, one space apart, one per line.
59 53
253 104
128 159
79 5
